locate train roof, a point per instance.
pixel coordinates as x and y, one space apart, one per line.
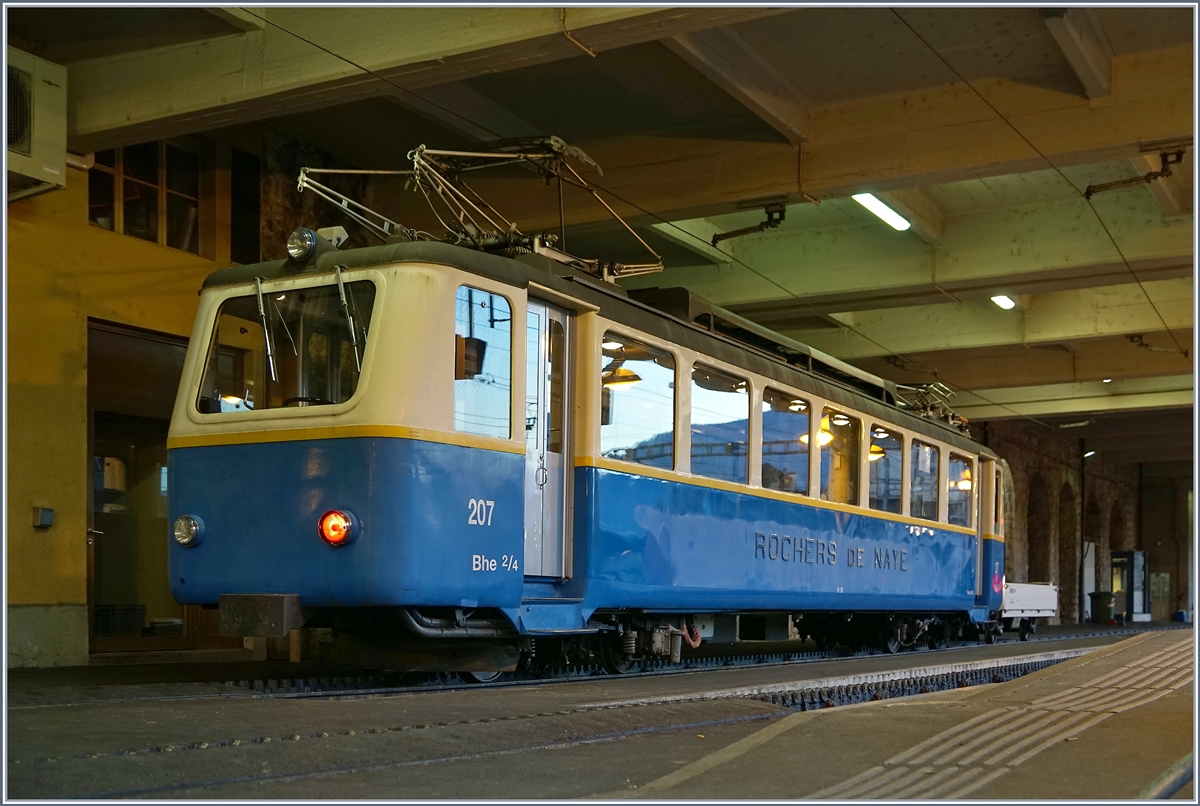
724 335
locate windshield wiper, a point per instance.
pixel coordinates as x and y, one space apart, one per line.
262 316
349 318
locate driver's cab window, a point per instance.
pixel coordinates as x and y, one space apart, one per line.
309 354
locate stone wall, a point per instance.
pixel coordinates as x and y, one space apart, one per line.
284 207
1062 501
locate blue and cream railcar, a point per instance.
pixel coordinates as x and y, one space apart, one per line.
508 447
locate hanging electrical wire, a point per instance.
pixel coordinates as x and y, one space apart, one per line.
595 189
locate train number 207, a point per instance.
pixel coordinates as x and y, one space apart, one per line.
479 512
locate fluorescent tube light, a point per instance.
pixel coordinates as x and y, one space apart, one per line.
890 216
1004 302
1089 453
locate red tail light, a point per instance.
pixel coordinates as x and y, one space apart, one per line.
336 527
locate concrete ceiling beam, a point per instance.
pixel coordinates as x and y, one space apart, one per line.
460 108
777 313
1061 316
883 143
1026 249
926 219
1169 192
249 19
946 134
1080 36
1070 398
696 236
732 63
170 91
1116 358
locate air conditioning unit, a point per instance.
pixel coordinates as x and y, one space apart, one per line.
37 125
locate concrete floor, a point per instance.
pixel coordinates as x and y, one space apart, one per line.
616 738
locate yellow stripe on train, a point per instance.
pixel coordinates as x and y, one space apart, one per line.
758 492
345 432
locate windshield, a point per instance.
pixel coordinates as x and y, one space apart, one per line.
309 354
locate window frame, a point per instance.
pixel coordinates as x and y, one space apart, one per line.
749 387
516 312
856 462
972 465
939 475
899 435
756 410
680 437
204 185
277 286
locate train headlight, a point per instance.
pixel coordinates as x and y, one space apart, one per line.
301 243
188 530
336 527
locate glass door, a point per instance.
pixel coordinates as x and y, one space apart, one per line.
133 376
547 549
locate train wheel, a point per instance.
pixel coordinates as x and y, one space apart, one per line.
1025 629
481 677
614 661
989 634
890 641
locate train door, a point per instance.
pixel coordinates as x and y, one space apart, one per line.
547 544
985 525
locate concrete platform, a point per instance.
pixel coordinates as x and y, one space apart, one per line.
1103 725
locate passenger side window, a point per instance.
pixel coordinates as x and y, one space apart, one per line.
886 475
785 442
482 363
720 425
961 483
637 403
839 440
924 491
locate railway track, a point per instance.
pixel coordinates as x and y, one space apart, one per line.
376 684
400 736
401 683
802 695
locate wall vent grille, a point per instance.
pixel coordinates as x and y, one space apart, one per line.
20 111
245 208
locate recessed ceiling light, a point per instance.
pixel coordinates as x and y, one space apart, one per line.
1108 380
1004 302
890 216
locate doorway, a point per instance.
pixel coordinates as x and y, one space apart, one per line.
547 437
133 376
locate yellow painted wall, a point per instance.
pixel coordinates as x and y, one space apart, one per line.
62 270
